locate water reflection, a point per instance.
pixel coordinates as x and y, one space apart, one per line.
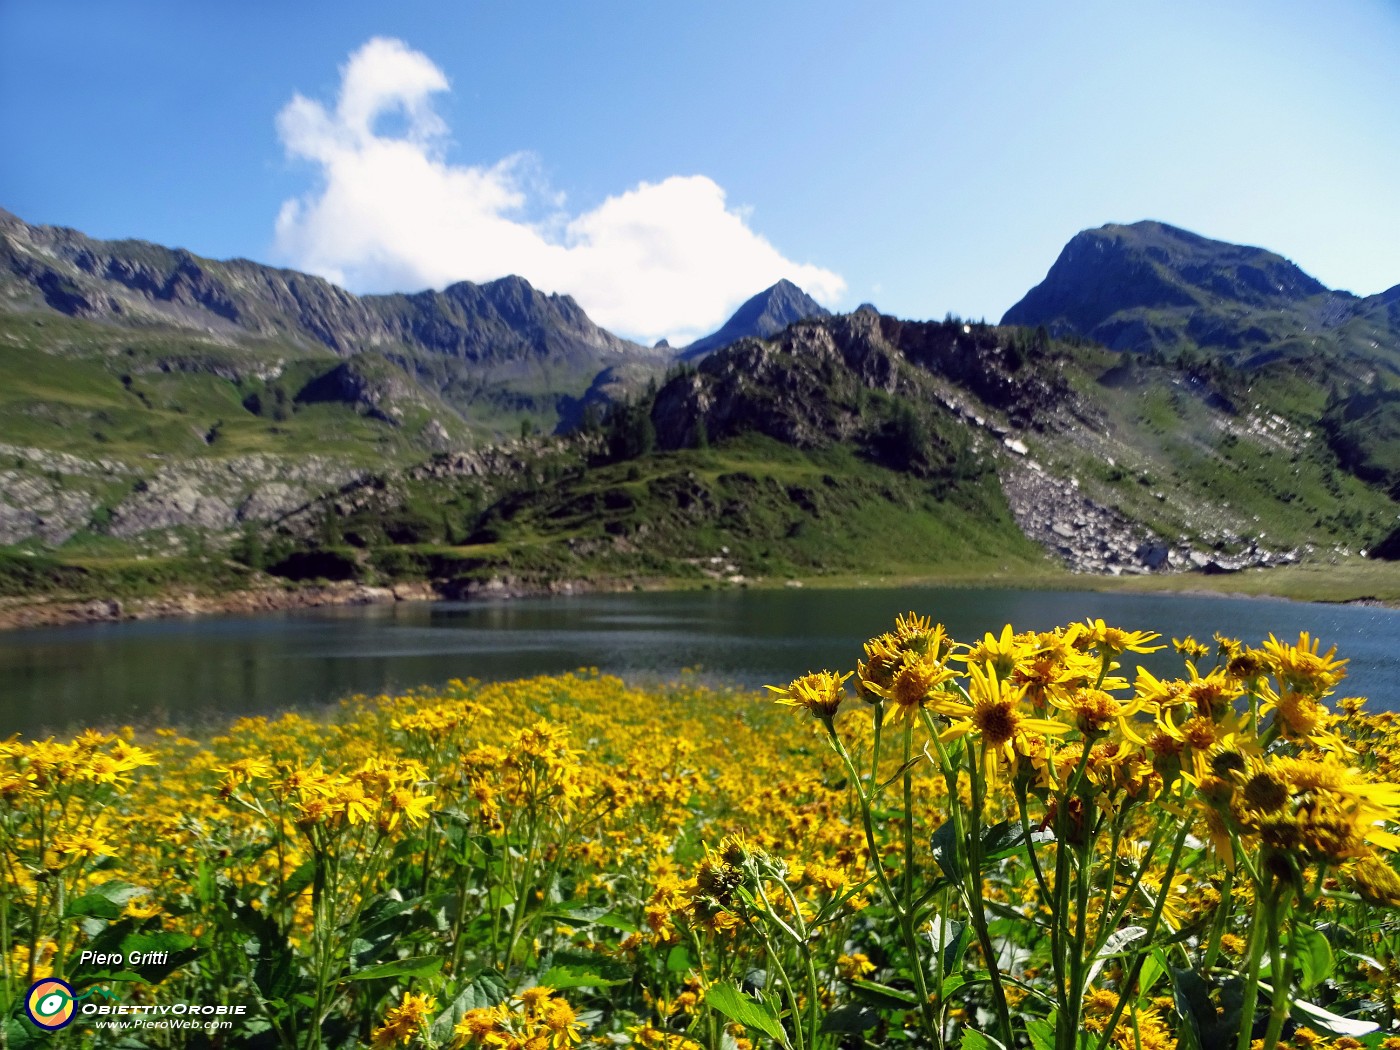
56 679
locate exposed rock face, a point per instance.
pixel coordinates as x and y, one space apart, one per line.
804 387
374 387
218 495
766 314
40 507
1089 537
1085 536
51 495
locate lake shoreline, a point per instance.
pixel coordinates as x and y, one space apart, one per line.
25 612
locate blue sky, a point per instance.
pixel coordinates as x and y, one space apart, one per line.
662 162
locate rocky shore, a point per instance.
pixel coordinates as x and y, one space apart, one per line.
31 611
28 612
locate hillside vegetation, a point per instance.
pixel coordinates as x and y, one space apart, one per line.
1164 402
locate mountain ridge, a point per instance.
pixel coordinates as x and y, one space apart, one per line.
503 341
154 400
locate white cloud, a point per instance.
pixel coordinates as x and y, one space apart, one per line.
670 258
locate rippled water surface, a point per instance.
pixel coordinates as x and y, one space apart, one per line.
188 670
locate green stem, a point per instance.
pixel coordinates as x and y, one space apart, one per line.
1152 923
977 909
1217 930
906 926
1282 972
1258 937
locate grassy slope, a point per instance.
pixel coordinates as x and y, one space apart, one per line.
92 390
778 511
1226 456
782 513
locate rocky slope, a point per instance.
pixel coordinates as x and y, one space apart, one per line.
152 401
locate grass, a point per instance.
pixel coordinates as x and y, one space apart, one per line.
1191 455
1341 580
764 509
118 394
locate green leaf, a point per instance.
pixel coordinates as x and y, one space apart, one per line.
974 1040
1192 999
1310 950
1117 943
1004 839
883 996
1153 967
581 914
577 977
948 851
575 969
678 959
1042 1034
21 1035
297 880
1315 1016
485 990
726 997
107 901
1005 911
951 940
851 1018
951 984
414 966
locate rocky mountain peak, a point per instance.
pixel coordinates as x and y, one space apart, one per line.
1133 287
764 315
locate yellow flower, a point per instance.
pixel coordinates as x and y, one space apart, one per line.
1191 649
993 716
404 1021
1300 669
563 1023
854 966
1095 711
1001 653
914 683
1113 641
820 693
402 804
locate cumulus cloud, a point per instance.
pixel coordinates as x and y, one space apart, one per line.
669 258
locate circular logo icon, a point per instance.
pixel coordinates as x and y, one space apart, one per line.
50 1004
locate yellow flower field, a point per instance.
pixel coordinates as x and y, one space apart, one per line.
1021 841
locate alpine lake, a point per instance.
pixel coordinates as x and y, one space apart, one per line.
201 671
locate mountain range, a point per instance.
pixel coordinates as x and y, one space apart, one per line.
1160 400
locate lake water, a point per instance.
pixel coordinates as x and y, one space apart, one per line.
58 679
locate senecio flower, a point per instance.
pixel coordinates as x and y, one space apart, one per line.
1314 809
820 692
994 716
1301 669
403 1022
1114 640
913 684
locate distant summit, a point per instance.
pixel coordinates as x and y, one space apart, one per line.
765 315
1153 286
